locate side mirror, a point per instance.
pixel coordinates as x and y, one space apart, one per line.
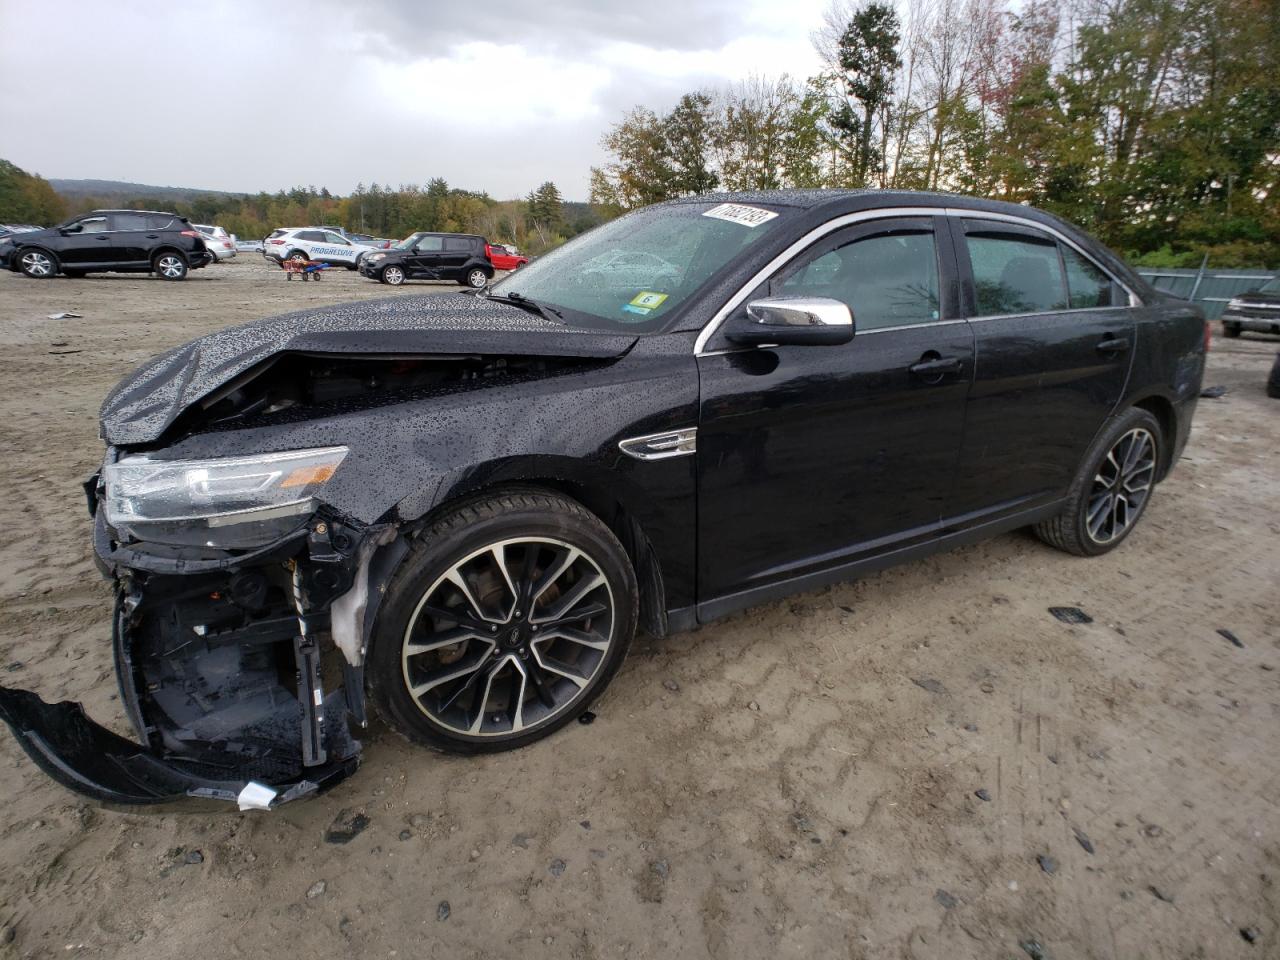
71 228
793 321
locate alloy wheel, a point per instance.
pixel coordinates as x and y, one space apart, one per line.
477 279
36 264
393 276
1121 486
169 266
509 638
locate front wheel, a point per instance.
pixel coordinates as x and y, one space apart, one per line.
477 278
170 266
1112 490
393 276
37 265
510 615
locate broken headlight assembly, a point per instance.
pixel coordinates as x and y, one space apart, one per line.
141 491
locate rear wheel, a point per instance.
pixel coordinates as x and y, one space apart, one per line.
1231 330
297 256
477 278
393 276
508 618
37 264
1112 490
169 266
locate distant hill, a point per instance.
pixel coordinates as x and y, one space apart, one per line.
121 188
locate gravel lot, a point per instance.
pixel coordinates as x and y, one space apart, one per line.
923 764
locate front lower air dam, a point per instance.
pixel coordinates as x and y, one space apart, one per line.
227 671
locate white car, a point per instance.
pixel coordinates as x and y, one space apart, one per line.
221 244
313 243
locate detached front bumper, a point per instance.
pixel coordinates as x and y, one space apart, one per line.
240 670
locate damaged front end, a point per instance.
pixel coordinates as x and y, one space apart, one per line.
239 641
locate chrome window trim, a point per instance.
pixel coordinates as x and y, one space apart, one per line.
885 213
1134 300
905 326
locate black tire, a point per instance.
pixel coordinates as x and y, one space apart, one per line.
298 255
476 278
1273 381
392 275
170 265
1069 530
1231 330
37 264
507 521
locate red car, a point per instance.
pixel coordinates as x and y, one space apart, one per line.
504 259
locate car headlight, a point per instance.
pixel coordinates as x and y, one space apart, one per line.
1235 303
222 491
376 256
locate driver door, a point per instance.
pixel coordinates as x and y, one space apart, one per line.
811 457
90 244
424 259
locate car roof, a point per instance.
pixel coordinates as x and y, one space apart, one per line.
158 213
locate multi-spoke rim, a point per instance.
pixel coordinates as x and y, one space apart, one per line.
170 266
476 278
509 637
393 276
1121 486
37 264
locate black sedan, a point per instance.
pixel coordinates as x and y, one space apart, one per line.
467 504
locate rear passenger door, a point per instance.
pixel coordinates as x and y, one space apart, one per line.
129 243
1053 336
457 252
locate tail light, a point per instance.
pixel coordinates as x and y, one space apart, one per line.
278 243
488 252
191 233
1208 335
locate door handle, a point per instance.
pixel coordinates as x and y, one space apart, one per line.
936 367
1113 345
153 236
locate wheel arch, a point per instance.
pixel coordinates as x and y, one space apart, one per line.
169 248
16 257
623 514
1161 407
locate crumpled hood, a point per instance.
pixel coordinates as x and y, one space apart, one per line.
145 403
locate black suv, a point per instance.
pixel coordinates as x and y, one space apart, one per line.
456 257
123 241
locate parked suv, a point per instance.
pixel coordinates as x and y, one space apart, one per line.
471 502
319 244
118 241
456 257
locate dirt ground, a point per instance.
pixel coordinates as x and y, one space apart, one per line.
801 780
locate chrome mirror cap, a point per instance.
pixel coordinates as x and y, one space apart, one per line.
793 321
800 312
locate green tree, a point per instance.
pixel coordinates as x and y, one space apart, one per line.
28 198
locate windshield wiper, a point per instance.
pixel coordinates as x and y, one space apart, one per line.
544 310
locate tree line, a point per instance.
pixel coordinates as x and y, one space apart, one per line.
535 223
1154 124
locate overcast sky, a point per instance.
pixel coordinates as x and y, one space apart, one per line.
247 96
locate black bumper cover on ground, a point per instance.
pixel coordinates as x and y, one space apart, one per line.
91 760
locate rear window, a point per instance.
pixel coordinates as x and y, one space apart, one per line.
130 221
277 233
162 221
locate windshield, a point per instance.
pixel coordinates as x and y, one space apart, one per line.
408 242
631 274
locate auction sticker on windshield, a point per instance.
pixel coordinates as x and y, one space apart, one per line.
741 214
